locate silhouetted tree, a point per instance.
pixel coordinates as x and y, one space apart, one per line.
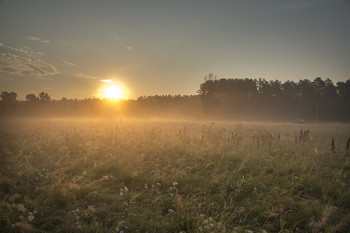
289 89
44 97
8 97
32 97
8 103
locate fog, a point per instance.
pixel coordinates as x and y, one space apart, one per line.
217 99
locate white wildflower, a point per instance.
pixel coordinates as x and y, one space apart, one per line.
171 211
91 208
30 218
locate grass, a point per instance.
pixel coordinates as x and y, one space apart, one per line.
172 176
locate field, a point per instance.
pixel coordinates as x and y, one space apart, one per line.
173 176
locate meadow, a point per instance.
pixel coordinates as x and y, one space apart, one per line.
116 175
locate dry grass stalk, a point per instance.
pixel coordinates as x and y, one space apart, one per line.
332 146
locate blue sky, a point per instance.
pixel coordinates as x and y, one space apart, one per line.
152 47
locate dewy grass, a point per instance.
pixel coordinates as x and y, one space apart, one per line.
168 176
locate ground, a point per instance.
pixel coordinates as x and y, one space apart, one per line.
107 175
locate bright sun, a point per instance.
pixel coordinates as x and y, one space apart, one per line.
113 92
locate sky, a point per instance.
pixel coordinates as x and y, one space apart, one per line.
68 47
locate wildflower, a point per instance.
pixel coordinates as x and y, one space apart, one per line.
146 186
30 218
210 219
153 171
126 189
91 208
219 225
125 203
171 211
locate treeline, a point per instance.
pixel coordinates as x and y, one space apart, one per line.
146 106
225 99
317 100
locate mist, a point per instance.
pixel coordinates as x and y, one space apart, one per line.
216 99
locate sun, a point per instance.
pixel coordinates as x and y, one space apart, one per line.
113 92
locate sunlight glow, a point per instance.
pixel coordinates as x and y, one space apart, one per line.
113 92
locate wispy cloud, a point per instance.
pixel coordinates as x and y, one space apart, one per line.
23 62
82 75
68 63
34 38
129 48
106 81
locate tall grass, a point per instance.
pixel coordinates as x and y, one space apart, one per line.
172 176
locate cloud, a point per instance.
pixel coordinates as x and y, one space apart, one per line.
68 63
23 62
34 38
82 75
129 48
106 81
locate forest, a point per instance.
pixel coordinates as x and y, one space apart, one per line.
217 98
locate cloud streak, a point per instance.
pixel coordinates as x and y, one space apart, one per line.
82 75
129 48
23 62
106 81
68 63
34 38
